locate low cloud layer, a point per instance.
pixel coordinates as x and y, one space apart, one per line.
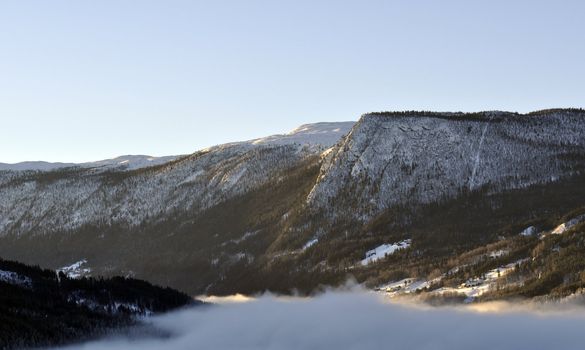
356 320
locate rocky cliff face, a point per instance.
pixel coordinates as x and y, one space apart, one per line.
412 158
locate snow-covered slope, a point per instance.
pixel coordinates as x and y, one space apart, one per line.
321 134
409 158
80 197
40 165
317 135
52 202
128 162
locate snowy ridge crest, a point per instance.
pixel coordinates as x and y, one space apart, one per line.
128 162
88 195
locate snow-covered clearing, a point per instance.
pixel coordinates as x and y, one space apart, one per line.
384 250
405 286
472 288
76 270
475 287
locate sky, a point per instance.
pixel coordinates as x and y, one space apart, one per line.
86 80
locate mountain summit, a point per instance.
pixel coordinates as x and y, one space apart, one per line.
315 135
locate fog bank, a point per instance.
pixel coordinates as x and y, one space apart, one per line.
357 320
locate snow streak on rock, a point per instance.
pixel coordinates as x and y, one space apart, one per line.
477 155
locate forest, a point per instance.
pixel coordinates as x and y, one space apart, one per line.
39 307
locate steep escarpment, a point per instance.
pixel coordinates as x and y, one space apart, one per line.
416 158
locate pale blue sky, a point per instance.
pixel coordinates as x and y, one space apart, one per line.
84 80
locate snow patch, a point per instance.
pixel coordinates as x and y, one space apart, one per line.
384 250
477 156
529 231
244 237
320 134
310 243
76 270
498 253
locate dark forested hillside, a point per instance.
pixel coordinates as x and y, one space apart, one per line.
40 307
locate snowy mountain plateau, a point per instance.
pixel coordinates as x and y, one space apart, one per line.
128 162
306 208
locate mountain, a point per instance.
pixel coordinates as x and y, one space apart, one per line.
317 134
41 307
437 199
39 165
424 157
129 162
76 197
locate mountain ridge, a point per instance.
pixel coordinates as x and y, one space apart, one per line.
316 134
419 143
127 162
280 214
